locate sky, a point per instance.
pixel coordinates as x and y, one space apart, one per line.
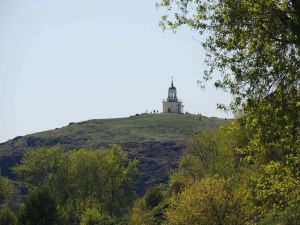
70 61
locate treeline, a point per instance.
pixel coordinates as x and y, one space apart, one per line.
79 187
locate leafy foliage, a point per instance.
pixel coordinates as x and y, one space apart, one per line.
211 200
210 153
93 217
83 179
277 187
7 217
141 215
255 45
40 207
149 210
6 189
39 166
154 196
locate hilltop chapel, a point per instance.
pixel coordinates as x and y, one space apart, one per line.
172 104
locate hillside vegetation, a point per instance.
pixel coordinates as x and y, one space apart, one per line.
157 140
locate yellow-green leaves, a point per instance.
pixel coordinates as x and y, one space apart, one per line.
6 189
277 187
211 200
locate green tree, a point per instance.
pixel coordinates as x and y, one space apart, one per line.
40 208
93 217
210 153
39 166
255 45
7 217
277 187
149 209
6 189
210 200
153 196
83 179
141 215
104 177
291 216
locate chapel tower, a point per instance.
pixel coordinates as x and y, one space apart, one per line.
172 104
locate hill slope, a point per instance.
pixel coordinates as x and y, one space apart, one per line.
157 140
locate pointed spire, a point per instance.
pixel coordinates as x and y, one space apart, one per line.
172 82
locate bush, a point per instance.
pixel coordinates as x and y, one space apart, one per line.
40 208
210 201
153 196
149 210
5 189
7 217
91 217
141 215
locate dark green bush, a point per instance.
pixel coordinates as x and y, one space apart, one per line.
40 208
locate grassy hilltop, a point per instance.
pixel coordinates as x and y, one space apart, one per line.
157 140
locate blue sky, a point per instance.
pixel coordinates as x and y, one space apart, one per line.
69 61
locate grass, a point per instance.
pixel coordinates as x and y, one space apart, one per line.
103 132
155 127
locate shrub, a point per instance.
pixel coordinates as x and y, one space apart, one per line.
40 208
7 217
208 201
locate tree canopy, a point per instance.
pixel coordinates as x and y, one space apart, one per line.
40 207
103 179
210 200
255 45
